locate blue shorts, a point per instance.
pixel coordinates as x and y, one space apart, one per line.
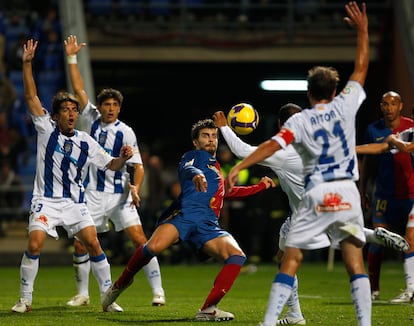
392 212
197 226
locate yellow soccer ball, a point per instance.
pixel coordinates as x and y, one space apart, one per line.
243 118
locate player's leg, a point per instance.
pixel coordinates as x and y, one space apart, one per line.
82 267
294 313
152 269
225 248
375 251
360 287
99 263
29 268
282 285
386 238
408 295
164 236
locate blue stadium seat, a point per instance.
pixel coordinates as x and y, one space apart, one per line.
16 78
99 7
159 7
130 7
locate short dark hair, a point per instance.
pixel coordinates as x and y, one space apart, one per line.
287 110
202 124
61 97
322 82
107 93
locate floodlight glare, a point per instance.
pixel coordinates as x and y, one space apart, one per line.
284 85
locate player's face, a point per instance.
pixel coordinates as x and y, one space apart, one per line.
391 107
109 110
67 117
207 140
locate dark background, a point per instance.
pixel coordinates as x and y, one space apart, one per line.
163 100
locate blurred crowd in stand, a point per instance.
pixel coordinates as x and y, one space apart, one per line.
19 21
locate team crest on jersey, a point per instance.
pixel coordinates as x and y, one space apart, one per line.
103 135
347 89
67 147
214 168
42 219
332 202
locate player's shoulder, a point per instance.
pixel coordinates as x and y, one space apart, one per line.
119 124
198 154
407 121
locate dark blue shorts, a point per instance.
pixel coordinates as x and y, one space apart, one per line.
197 226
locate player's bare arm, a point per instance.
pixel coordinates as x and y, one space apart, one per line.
72 48
373 148
138 177
263 151
358 19
118 162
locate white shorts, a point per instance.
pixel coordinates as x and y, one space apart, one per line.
283 233
48 213
327 214
105 206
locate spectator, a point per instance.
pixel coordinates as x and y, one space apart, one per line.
11 195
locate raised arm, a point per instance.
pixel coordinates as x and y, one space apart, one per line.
72 48
29 86
358 19
263 151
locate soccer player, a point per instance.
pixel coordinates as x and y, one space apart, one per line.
330 211
394 190
64 154
194 218
109 195
400 143
288 166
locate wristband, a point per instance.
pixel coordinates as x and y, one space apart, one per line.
72 59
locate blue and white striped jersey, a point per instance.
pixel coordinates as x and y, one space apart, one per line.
325 137
111 137
63 161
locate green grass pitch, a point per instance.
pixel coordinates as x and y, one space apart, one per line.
325 297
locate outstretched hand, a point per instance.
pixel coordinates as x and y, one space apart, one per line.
29 50
126 152
220 119
136 199
356 18
269 183
71 45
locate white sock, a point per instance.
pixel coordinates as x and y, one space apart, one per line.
153 274
370 237
409 272
279 294
292 303
361 296
29 267
82 266
102 272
